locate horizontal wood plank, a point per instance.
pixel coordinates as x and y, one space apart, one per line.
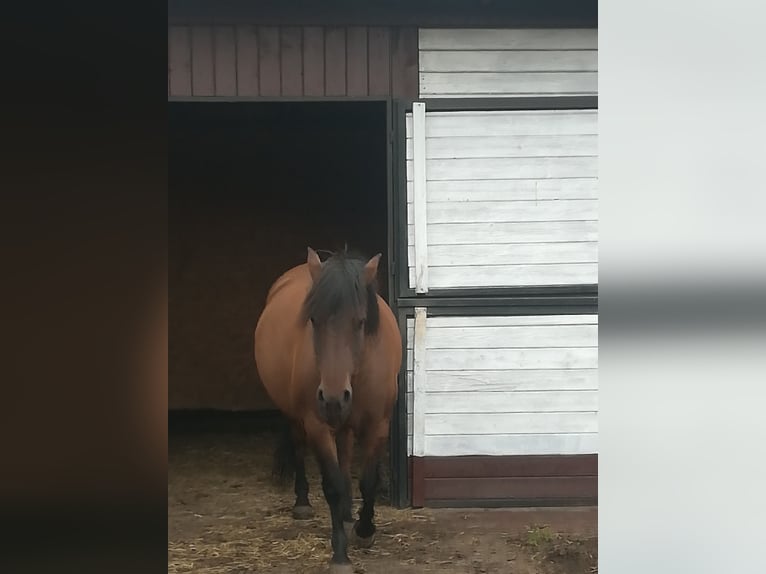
487 337
510 189
508 123
508 39
516 275
510 168
521 232
510 211
480 321
510 466
476 84
508 60
471 381
511 444
503 402
510 254
461 147
488 424
510 334
491 334
498 359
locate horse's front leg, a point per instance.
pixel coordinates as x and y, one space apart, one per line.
333 486
344 442
373 444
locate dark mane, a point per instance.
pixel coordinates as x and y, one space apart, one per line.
341 286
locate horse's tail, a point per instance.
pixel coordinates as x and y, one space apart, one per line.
283 468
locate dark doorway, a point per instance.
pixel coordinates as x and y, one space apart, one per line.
251 185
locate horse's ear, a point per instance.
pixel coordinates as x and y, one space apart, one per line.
315 265
371 269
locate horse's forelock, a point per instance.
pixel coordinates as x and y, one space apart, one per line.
340 288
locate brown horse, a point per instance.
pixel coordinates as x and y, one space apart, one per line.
328 350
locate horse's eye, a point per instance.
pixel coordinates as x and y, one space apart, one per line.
312 321
360 324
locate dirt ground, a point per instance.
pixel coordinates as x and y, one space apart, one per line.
225 516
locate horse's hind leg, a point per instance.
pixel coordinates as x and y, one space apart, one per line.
302 509
373 444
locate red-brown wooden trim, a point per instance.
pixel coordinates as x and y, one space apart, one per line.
225 61
379 61
292 62
500 466
418 482
511 487
202 61
313 61
248 68
505 480
269 67
404 62
179 61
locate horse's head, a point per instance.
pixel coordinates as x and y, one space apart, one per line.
342 307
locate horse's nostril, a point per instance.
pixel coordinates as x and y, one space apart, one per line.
346 395
321 395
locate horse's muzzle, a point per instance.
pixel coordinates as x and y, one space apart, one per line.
333 409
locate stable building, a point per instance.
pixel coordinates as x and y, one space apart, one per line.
458 138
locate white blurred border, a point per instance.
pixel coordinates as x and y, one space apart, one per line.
682 294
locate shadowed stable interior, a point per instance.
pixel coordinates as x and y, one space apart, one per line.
251 185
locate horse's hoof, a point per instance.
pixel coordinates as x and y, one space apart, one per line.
349 528
341 569
303 512
360 542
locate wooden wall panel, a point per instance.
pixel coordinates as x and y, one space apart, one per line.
457 63
335 62
511 201
379 61
521 466
179 61
449 481
511 487
292 61
269 61
313 61
356 61
247 67
225 61
504 386
404 62
203 72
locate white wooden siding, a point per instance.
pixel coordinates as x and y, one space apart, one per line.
506 385
410 378
456 63
511 198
